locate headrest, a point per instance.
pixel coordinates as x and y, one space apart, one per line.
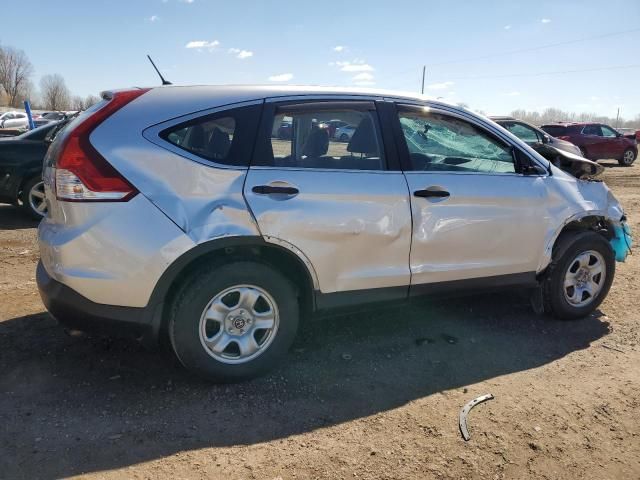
363 139
317 143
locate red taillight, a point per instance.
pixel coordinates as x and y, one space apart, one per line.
564 137
82 174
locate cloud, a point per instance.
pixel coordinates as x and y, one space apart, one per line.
339 48
154 18
507 27
440 86
202 44
546 20
512 94
355 66
283 77
241 54
363 77
186 1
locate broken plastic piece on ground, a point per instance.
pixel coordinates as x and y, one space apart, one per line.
621 241
462 421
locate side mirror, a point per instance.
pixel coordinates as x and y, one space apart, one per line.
546 139
533 169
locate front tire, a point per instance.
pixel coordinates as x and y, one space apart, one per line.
628 157
233 322
579 276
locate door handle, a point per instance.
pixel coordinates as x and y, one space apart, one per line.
431 193
271 189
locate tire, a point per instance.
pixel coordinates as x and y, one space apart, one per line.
344 137
30 203
628 157
194 338
573 303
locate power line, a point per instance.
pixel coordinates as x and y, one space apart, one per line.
540 74
533 49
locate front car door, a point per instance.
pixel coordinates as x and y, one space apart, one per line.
341 204
477 220
613 144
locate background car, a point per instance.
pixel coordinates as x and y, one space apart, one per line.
534 136
21 160
332 126
344 133
596 141
13 120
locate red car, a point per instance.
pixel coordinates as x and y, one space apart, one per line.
596 141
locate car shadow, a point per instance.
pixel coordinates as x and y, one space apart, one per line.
71 405
12 218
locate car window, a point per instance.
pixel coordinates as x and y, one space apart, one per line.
225 137
607 132
592 130
439 142
523 132
554 130
208 138
319 136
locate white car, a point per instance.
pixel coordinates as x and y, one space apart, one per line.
13 120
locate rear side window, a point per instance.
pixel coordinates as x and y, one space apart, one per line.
225 137
555 130
324 136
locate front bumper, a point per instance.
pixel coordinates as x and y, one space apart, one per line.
77 312
621 241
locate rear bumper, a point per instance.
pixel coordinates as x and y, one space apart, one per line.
75 311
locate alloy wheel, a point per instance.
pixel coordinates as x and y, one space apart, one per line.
584 279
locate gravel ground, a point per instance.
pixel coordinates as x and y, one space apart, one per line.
372 395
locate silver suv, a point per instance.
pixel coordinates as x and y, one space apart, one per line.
191 211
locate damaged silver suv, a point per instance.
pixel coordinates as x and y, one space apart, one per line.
224 215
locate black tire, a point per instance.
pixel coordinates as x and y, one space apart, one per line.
625 161
567 248
25 204
196 293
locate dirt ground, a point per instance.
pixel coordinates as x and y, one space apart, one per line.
373 395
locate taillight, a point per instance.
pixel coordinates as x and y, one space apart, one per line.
564 137
82 174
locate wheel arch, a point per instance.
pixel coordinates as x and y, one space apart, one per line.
225 250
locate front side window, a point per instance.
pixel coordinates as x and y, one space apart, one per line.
608 132
439 142
592 130
325 137
523 132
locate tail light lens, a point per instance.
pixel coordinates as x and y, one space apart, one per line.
564 137
81 173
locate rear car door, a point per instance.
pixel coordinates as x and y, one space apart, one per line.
477 221
341 203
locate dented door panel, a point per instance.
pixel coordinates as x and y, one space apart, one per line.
353 226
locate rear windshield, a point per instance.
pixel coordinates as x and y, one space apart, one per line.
554 130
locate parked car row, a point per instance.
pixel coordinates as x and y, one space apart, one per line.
224 216
19 120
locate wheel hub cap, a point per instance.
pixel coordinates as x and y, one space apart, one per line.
585 278
239 324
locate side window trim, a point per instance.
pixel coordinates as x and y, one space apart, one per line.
404 151
263 146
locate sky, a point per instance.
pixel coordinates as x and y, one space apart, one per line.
495 56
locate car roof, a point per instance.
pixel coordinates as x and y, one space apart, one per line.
498 118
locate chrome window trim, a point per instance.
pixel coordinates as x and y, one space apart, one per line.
477 122
325 97
152 133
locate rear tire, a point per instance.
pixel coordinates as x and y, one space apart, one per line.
572 288
233 322
628 157
32 198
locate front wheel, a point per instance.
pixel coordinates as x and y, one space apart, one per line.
233 322
628 157
580 275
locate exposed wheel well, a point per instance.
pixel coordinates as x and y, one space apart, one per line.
227 251
594 223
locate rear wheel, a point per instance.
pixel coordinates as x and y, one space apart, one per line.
32 198
579 276
628 157
234 322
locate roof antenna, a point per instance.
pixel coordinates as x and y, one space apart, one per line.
164 82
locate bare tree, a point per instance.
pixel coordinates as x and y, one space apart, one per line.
54 92
90 101
77 103
15 72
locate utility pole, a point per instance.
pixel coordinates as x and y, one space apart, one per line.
424 71
617 117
